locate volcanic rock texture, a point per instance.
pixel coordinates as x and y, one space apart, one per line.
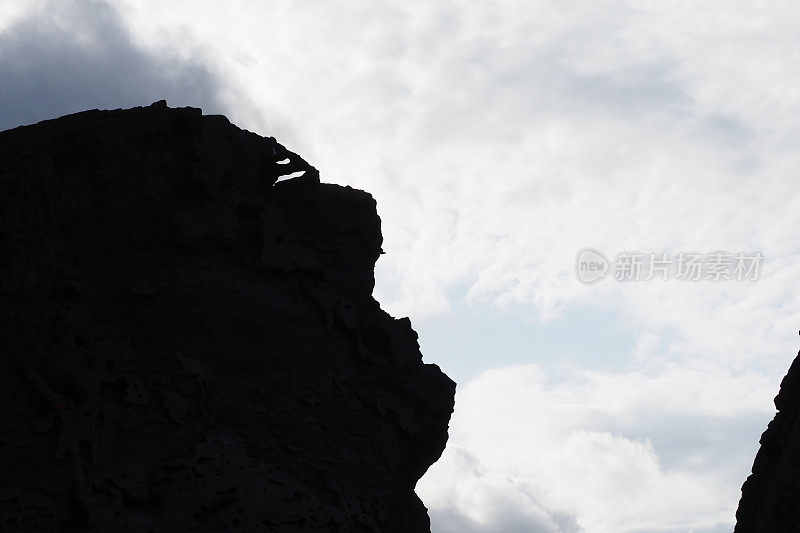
191 344
771 495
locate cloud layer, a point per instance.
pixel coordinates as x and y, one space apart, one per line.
499 139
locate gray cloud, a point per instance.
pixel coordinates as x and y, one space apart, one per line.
506 519
68 56
451 520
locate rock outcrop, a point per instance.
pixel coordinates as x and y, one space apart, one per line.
771 495
190 343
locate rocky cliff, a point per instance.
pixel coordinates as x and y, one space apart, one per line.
190 343
771 495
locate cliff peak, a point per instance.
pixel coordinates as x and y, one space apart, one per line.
190 340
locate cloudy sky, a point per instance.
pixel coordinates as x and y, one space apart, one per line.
500 138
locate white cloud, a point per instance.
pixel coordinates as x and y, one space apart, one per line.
467 498
587 445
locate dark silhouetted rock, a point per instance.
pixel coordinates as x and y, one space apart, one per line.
190 344
771 495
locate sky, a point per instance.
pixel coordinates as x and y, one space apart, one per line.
500 139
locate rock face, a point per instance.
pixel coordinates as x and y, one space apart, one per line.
771 495
190 344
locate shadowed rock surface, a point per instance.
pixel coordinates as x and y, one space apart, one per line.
189 344
771 495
